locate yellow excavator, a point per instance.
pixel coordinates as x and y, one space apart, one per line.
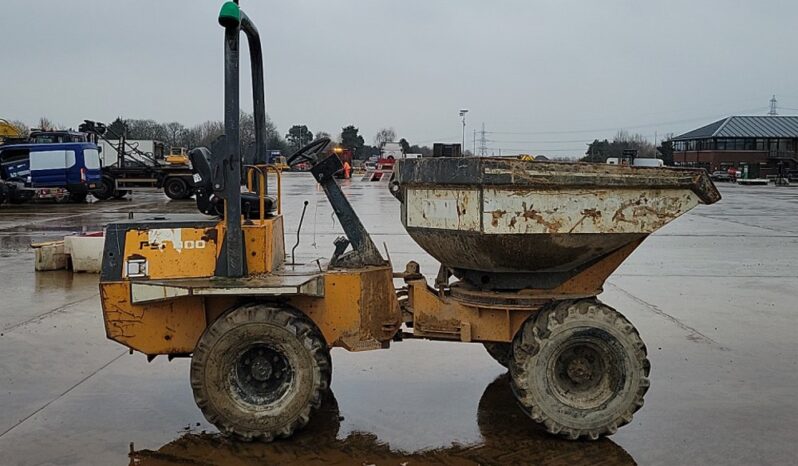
7 188
7 131
525 248
280 163
177 156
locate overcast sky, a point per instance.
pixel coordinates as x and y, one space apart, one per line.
557 72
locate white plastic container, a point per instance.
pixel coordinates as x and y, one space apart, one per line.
86 252
50 256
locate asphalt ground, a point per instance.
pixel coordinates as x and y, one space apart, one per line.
713 295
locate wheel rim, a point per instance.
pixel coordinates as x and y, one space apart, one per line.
585 371
261 375
174 188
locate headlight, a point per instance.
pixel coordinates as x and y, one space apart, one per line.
136 268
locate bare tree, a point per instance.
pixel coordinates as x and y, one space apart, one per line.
384 135
599 151
21 127
174 132
246 128
205 133
190 138
45 124
146 129
635 141
209 131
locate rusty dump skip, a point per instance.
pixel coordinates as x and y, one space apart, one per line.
513 224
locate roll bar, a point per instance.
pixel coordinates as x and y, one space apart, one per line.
226 163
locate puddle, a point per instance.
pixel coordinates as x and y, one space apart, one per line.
507 437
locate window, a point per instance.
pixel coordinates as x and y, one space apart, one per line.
52 159
46 139
14 155
91 158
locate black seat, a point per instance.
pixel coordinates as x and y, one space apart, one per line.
208 202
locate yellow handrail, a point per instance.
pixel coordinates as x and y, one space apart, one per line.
278 172
263 187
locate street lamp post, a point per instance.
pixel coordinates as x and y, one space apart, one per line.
463 116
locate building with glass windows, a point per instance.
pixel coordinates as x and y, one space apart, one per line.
765 144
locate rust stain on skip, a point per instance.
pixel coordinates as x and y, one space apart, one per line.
641 209
620 216
496 216
593 214
531 214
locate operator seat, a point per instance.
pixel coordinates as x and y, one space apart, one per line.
208 202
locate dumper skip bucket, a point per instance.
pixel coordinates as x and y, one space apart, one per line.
507 224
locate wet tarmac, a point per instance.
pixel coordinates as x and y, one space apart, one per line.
713 294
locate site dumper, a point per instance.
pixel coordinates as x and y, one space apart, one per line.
530 245
524 246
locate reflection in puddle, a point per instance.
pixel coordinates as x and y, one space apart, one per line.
508 437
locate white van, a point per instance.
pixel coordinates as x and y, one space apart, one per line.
648 162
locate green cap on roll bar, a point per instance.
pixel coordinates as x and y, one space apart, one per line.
230 15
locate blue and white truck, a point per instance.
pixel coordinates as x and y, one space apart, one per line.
71 166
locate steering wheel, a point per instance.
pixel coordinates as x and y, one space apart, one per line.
308 152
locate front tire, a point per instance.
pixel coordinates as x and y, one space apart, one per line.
19 197
501 352
580 369
258 372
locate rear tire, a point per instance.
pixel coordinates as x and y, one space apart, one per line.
176 188
106 190
580 369
258 372
501 352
